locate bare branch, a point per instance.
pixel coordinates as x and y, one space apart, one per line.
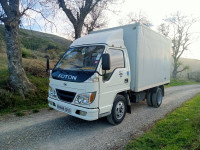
184 68
5 7
68 12
77 11
44 17
136 17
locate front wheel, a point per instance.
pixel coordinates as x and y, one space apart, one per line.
118 110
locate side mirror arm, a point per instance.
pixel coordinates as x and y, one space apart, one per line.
100 74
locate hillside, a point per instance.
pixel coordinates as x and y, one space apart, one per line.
194 68
194 64
37 41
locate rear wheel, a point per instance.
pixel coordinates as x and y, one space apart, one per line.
118 110
157 98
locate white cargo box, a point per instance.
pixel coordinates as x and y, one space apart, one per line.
149 56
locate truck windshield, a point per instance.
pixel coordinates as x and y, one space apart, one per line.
81 58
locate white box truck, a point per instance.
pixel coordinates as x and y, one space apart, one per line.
103 72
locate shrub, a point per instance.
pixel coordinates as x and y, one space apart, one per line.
51 46
19 114
35 110
7 99
26 53
52 53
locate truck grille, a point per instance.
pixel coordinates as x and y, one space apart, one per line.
65 95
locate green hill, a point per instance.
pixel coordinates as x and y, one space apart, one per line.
37 41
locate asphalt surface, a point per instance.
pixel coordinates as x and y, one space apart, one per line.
50 129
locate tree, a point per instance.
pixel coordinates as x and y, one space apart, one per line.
177 27
11 13
77 11
136 17
95 20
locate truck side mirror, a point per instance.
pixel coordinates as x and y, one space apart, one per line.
106 61
47 69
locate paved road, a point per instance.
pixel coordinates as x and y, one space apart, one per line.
54 130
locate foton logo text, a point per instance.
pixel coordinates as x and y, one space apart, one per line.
70 77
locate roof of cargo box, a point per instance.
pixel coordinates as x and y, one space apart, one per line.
112 38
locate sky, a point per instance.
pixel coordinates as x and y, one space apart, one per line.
155 10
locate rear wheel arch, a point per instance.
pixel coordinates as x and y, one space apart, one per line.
163 90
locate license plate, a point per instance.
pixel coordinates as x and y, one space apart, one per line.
65 109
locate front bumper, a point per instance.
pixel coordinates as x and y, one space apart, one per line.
76 111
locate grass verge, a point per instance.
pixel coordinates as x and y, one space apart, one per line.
13 103
179 130
177 82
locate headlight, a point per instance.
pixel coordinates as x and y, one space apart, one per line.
86 98
52 92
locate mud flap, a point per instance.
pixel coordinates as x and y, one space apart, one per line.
129 109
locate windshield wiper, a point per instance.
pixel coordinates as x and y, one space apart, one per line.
80 68
77 66
61 70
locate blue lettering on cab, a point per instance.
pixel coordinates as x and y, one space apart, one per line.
69 77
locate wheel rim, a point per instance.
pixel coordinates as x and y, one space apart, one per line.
119 111
159 98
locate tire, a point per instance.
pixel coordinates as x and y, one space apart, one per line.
119 110
157 98
149 100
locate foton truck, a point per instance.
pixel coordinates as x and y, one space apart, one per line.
103 72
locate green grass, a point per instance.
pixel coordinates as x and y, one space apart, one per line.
178 82
179 130
19 114
12 102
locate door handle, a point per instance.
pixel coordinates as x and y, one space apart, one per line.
126 80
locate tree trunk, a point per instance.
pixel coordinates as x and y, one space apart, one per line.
18 79
78 29
174 73
77 32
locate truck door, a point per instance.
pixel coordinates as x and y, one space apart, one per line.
115 80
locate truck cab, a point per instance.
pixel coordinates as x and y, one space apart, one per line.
82 85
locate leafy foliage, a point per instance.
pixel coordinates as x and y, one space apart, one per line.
26 53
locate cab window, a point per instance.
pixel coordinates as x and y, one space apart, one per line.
116 61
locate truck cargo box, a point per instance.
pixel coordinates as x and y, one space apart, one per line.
149 56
